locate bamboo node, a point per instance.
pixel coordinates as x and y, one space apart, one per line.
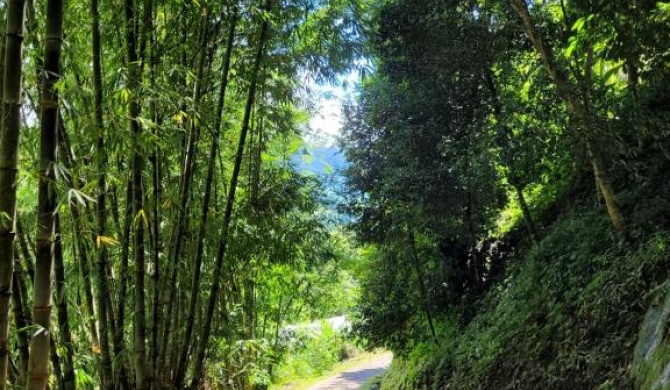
42 309
49 104
16 34
54 37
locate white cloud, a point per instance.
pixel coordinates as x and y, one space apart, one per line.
326 123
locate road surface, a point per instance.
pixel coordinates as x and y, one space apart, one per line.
354 377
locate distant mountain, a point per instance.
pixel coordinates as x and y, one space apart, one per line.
328 164
323 161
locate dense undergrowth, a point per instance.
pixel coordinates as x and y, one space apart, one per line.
567 311
566 316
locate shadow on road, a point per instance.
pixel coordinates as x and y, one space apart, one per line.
353 378
361 376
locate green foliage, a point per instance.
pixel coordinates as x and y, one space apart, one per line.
459 122
374 383
567 315
255 371
283 262
314 352
464 122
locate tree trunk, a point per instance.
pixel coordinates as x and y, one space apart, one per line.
140 304
120 371
605 186
511 177
139 217
189 166
156 242
527 216
28 254
223 242
581 114
9 158
55 363
47 232
138 245
155 275
422 283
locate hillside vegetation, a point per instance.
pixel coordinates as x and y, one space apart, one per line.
509 170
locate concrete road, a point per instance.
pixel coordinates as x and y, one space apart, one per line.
354 377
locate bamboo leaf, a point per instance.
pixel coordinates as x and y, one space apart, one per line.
142 216
79 196
578 25
30 328
106 241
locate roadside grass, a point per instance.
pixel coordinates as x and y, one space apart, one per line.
374 383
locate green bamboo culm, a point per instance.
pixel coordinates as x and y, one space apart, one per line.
230 200
105 359
202 228
9 157
21 318
134 109
47 232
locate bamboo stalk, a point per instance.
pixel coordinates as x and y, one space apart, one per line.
227 218
47 229
202 229
9 158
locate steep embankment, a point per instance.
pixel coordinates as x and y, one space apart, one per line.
567 315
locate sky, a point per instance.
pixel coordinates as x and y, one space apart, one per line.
326 124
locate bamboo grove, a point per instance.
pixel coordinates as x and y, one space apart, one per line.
146 157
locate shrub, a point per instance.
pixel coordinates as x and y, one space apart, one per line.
310 354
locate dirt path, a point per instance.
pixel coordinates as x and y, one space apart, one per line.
354 377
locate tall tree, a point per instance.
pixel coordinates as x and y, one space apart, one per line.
187 177
139 216
63 317
21 318
202 228
106 376
586 122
